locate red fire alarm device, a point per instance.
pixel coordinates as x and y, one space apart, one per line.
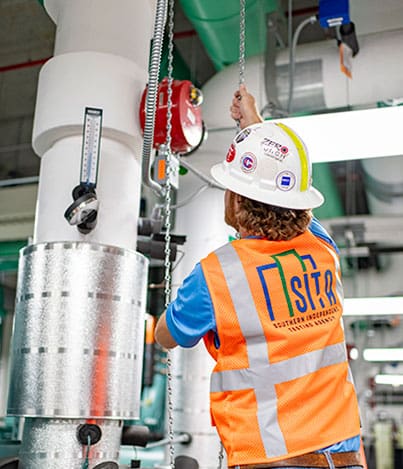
187 124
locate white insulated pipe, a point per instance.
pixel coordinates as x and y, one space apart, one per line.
202 220
123 29
97 63
67 84
383 432
384 185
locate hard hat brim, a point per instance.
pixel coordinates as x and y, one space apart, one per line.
311 198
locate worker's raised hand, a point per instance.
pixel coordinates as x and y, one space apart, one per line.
243 108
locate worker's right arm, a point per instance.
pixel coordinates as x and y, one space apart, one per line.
244 109
162 334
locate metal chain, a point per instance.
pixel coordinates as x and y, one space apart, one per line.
220 456
242 15
167 263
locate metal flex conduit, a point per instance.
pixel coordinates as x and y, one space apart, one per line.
148 136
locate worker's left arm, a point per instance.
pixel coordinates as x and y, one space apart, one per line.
190 316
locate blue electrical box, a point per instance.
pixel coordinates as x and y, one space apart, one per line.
333 13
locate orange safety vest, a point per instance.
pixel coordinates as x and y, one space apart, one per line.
281 386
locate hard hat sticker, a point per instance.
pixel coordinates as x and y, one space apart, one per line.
230 154
285 180
248 162
242 135
274 150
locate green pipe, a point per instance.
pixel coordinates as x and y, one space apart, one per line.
3 312
9 254
152 408
180 69
324 181
152 457
217 24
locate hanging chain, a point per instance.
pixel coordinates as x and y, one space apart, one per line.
242 15
167 263
220 456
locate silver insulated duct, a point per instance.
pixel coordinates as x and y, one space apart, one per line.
77 349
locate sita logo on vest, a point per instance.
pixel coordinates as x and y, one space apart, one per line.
310 288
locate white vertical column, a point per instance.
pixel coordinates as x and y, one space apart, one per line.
101 60
202 220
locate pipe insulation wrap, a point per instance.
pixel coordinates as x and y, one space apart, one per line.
118 192
103 26
383 179
71 82
50 444
191 371
79 332
202 219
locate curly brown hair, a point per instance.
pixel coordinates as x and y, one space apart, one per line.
271 222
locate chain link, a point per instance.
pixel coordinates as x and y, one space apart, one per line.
220 456
167 207
242 15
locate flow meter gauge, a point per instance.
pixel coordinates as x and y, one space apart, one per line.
84 210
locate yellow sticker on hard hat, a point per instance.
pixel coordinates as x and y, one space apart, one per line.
303 157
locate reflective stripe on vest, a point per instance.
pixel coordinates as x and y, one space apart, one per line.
262 375
339 285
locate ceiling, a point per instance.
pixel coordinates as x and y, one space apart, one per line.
26 42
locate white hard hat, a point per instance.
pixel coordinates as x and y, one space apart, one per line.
269 163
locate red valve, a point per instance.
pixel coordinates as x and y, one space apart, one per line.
187 125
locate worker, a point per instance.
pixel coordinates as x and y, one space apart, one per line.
268 306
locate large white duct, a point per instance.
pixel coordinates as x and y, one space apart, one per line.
203 222
377 71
